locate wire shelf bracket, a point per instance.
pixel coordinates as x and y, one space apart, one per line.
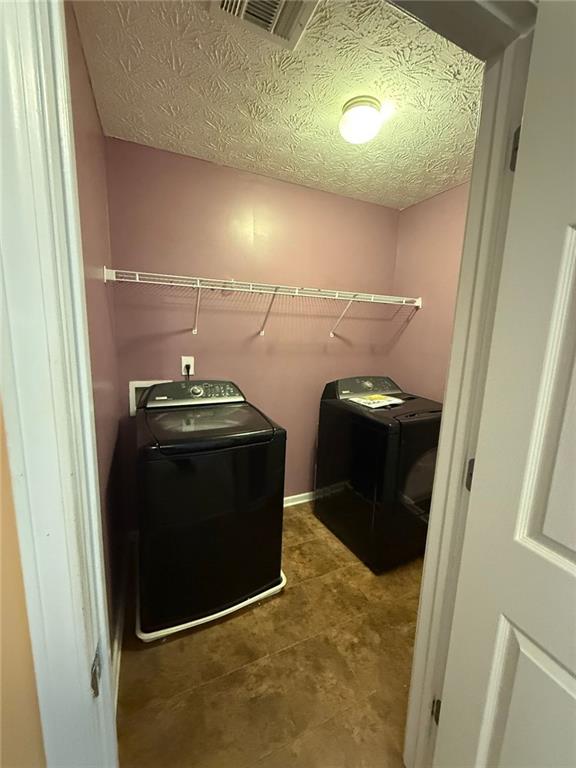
267 315
337 323
203 283
197 312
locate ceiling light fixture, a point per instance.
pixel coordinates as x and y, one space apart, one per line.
362 118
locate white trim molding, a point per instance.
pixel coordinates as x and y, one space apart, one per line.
120 618
299 498
149 637
47 391
489 204
116 649
302 498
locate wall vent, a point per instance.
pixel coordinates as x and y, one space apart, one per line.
282 20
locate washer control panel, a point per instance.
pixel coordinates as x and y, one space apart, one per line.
367 385
177 393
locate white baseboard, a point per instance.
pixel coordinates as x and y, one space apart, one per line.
302 498
117 646
299 498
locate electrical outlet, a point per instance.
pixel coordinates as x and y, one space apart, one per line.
187 360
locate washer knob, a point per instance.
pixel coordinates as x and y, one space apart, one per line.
196 391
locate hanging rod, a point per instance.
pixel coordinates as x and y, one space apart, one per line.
180 281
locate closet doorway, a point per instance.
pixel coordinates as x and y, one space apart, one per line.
295 744
224 160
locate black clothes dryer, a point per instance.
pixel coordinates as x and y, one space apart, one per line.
211 489
375 468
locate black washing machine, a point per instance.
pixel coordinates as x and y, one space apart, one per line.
211 489
375 468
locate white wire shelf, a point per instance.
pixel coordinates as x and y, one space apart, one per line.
203 283
151 278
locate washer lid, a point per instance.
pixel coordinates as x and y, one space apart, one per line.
206 427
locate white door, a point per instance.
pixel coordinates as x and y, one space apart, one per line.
509 695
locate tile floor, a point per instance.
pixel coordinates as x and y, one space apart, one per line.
316 677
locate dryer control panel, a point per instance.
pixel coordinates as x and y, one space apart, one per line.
196 392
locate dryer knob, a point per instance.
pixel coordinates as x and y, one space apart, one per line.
196 391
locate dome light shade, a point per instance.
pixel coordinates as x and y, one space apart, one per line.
362 118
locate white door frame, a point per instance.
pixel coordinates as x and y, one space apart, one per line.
52 439
488 208
47 391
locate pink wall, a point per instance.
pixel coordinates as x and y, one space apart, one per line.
174 214
430 237
92 194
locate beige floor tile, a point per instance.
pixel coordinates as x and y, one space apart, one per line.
285 619
400 583
309 559
298 526
316 677
166 668
380 655
236 719
360 737
334 599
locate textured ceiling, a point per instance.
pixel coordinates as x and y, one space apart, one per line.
171 75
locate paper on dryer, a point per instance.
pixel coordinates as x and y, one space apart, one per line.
376 401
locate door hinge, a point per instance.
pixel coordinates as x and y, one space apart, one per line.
96 672
435 713
469 474
514 152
